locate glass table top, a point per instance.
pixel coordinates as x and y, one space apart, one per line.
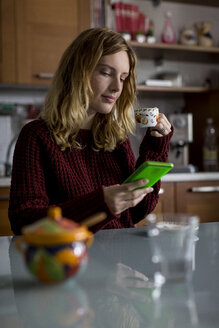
115 290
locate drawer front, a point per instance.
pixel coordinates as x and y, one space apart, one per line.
200 198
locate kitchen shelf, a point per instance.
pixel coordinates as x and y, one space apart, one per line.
189 89
209 3
176 52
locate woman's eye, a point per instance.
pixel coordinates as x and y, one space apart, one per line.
122 79
105 73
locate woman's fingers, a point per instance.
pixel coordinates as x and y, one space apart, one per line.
121 197
133 185
162 128
163 119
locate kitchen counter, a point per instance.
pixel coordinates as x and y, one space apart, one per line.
5 181
182 177
170 177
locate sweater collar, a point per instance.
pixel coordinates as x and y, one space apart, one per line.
85 137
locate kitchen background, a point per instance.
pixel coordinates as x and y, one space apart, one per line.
33 36
29 56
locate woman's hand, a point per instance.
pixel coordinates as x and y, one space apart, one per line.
162 128
120 197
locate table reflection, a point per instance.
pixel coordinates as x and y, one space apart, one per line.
131 296
135 301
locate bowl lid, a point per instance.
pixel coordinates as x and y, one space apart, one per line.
55 229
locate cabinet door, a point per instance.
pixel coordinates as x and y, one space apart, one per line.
166 203
7 42
44 28
5 228
201 198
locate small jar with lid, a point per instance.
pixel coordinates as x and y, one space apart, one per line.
54 248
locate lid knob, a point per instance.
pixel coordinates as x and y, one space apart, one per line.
55 213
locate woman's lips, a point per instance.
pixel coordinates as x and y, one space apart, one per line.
109 99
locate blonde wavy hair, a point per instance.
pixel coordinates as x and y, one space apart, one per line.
67 101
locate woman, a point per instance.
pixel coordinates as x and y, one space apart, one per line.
77 153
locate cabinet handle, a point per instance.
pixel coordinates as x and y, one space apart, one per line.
4 197
44 75
161 191
205 189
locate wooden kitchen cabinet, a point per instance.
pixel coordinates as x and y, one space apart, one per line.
5 228
7 41
35 33
166 199
166 203
198 197
195 197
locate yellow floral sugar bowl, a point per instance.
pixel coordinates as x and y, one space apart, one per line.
54 248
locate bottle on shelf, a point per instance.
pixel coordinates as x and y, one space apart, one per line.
168 34
210 147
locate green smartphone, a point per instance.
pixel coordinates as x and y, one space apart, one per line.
150 170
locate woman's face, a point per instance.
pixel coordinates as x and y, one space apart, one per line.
107 82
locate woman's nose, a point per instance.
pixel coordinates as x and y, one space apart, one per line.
116 84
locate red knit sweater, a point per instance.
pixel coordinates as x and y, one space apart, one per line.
43 175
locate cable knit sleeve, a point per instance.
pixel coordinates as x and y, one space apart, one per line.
154 148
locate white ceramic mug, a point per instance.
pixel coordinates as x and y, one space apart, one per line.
147 117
